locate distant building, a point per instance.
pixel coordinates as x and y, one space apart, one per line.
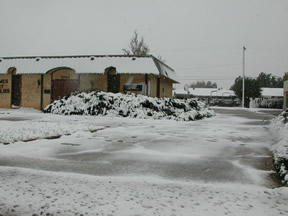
285 102
213 96
37 81
270 98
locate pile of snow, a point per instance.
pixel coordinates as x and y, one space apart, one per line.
279 128
129 105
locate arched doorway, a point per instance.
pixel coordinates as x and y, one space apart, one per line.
16 87
113 80
63 82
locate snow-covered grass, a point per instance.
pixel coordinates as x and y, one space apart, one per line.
28 124
279 129
129 105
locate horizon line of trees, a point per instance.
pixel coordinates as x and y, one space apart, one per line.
269 81
202 84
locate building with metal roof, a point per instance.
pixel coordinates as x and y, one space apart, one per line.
204 93
270 98
212 96
35 81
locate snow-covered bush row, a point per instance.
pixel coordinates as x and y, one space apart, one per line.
279 128
129 105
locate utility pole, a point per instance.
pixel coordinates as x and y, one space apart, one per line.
243 84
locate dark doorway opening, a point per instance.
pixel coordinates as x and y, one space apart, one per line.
113 83
113 80
16 90
60 88
158 88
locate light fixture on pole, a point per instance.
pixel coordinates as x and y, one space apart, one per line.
243 83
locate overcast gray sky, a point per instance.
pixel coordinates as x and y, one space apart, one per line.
199 39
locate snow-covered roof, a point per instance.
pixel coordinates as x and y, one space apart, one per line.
205 92
124 64
272 92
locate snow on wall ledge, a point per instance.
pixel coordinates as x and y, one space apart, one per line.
129 105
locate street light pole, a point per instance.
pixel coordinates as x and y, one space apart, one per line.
243 84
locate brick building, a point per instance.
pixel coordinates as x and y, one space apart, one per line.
37 81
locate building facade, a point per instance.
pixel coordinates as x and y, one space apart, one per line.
285 102
36 81
270 98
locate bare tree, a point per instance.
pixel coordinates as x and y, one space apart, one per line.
161 58
137 46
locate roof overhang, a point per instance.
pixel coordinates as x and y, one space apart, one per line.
125 64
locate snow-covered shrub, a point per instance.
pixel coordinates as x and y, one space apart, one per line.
279 128
129 105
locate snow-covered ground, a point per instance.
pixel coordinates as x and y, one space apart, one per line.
87 165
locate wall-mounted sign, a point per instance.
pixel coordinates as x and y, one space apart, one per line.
3 81
132 87
3 86
4 90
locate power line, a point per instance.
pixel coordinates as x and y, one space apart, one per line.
205 75
211 77
206 65
205 79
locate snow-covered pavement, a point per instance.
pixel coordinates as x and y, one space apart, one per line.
73 165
